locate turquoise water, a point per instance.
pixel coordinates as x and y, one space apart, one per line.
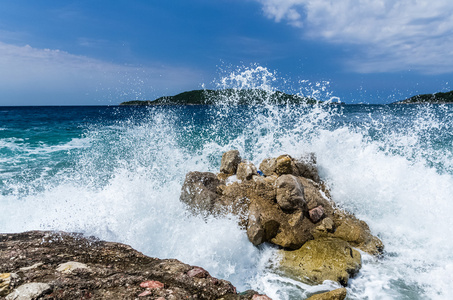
116 173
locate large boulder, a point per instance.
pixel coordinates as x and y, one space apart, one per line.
322 259
110 271
199 191
230 162
290 193
306 165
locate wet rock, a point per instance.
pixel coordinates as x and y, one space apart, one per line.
357 233
246 170
230 162
284 165
289 193
322 259
268 166
116 270
338 294
306 165
28 291
199 191
268 223
288 205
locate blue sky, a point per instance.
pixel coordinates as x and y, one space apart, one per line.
97 52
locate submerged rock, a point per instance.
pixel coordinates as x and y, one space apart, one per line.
112 271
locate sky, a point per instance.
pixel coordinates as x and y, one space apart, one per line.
103 52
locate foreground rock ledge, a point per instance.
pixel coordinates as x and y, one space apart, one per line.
59 265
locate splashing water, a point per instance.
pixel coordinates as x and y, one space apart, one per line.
118 177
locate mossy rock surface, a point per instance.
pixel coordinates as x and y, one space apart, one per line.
322 259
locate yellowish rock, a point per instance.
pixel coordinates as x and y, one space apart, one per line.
322 259
357 233
5 282
338 294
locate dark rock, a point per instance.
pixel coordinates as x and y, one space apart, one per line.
115 271
199 191
316 214
230 162
306 165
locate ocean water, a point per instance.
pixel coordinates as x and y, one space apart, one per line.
116 173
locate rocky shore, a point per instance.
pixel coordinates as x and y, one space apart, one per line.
59 265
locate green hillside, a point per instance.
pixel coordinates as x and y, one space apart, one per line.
241 97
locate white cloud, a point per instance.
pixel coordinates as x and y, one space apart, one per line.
391 35
58 77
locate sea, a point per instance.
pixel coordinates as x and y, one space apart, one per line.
115 172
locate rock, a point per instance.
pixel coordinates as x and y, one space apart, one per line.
357 233
268 223
316 214
315 195
29 291
246 170
152 284
338 294
322 259
289 193
268 166
260 297
284 165
37 265
116 270
7 282
70 266
198 273
230 162
145 293
199 191
306 165
287 206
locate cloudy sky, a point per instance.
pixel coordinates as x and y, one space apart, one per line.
98 52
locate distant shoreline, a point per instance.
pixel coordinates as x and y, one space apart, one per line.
436 98
239 97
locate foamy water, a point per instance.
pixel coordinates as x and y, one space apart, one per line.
120 181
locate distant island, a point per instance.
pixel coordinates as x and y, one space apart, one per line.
436 98
241 97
